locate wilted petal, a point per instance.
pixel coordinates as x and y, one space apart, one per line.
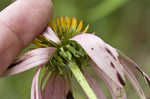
103 55
56 87
94 85
133 79
40 95
29 60
116 91
132 63
34 89
51 35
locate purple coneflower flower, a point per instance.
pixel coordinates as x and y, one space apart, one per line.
63 53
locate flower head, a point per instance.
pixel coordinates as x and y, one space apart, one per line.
64 52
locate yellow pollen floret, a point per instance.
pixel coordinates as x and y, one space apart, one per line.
80 26
38 44
74 23
53 26
66 27
58 25
62 23
86 29
67 21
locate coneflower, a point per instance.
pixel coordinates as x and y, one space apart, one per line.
64 52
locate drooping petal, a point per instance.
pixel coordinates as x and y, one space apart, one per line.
130 61
133 79
34 89
56 87
43 81
116 91
29 60
94 85
103 55
51 35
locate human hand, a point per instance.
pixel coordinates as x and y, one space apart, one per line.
20 23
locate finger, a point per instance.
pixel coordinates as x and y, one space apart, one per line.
19 24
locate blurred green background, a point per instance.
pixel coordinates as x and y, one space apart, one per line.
123 24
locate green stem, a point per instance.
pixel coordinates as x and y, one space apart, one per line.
81 80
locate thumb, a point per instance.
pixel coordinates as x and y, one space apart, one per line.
20 23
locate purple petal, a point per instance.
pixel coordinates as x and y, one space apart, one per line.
116 91
103 55
94 85
29 60
56 87
130 61
34 89
51 35
133 79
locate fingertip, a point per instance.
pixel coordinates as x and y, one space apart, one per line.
20 23
27 18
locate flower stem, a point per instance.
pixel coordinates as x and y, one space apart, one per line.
81 80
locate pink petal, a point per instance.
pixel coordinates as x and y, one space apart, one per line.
133 79
56 88
51 35
130 61
116 91
94 85
103 55
44 79
34 89
29 60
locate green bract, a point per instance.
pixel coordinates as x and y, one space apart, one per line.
71 52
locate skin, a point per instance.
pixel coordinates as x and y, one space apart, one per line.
20 23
